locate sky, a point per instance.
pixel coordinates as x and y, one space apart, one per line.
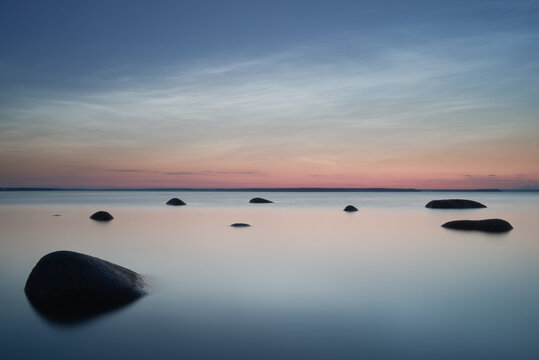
400 94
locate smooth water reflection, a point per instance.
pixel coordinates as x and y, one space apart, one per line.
304 281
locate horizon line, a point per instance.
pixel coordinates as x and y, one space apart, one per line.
258 189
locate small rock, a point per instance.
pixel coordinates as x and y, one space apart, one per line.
101 216
488 225
175 202
350 208
239 225
67 286
258 200
454 204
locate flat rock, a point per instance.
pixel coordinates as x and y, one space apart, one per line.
488 225
67 286
454 204
240 225
175 202
350 208
101 216
258 200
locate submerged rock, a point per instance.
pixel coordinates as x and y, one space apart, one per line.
350 208
175 202
488 225
101 216
67 286
258 200
239 225
454 204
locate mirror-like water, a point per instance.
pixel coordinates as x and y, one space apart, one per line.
305 281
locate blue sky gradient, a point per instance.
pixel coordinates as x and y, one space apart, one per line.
296 93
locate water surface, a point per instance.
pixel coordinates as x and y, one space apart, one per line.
305 281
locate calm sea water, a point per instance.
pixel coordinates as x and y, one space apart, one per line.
306 281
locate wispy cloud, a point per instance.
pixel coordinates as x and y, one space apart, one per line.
127 170
368 102
501 181
211 173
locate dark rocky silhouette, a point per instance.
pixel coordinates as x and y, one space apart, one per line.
454 204
101 216
488 225
175 202
239 225
67 286
350 208
258 200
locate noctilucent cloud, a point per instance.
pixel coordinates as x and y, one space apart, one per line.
424 94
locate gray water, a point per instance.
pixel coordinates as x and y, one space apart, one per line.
306 281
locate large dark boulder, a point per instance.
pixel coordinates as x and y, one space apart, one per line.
67 286
258 200
175 202
350 208
454 204
101 216
240 225
488 225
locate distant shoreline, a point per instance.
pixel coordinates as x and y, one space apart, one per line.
302 189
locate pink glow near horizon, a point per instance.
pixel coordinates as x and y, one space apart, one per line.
502 166
407 118
242 179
